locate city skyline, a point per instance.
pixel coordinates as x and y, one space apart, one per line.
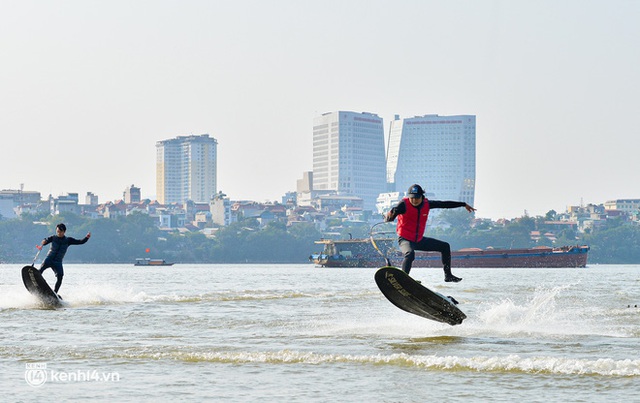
86 90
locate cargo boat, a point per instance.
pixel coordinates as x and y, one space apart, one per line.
361 253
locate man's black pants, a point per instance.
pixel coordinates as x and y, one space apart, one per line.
408 248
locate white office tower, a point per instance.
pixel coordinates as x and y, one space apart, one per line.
437 152
348 155
186 169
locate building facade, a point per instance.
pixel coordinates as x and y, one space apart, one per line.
437 152
64 203
91 199
628 206
186 169
13 201
348 155
132 194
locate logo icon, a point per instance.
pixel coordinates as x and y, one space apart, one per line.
35 373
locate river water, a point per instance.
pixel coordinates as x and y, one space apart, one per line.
298 333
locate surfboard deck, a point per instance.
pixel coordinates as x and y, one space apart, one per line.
409 295
37 285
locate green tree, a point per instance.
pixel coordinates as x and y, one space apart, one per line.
619 244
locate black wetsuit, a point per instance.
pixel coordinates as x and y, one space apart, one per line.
59 246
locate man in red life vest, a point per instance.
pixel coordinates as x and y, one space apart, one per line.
412 213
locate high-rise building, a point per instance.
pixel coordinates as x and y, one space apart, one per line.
348 155
186 169
438 152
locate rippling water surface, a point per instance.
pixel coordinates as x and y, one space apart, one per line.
298 333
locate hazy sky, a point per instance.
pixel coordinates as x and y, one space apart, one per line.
88 87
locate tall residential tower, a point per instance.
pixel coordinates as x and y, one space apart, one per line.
438 152
348 155
186 169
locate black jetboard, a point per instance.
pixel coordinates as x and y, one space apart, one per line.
409 295
37 285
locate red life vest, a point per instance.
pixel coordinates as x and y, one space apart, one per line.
412 223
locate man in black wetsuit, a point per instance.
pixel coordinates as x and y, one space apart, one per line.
412 213
59 244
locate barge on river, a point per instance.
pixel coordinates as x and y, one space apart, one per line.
151 262
361 253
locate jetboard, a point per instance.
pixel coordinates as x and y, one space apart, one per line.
37 285
409 295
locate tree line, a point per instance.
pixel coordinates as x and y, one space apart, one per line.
123 239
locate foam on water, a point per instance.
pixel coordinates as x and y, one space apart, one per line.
86 294
16 297
538 312
546 312
13 297
509 363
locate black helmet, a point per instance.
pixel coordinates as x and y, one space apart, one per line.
415 191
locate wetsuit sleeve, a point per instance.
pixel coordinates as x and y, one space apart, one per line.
73 241
446 204
47 240
396 211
